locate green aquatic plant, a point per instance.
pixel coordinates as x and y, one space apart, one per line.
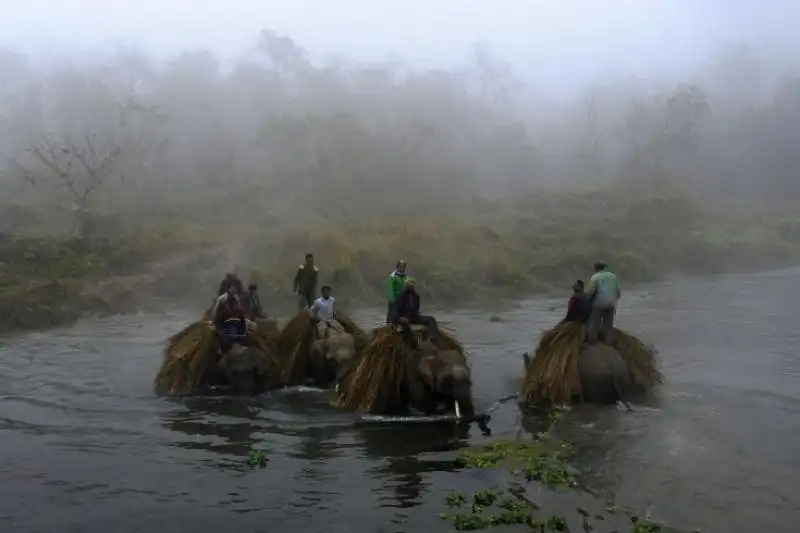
538 459
257 459
494 508
541 460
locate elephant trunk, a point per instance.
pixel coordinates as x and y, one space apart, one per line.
460 387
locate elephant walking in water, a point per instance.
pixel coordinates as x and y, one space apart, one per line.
438 377
246 370
331 357
604 376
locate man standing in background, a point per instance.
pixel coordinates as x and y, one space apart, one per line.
396 285
603 294
305 283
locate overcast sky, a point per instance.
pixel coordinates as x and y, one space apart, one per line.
570 41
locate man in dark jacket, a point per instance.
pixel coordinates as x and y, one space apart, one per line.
305 283
252 303
406 313
230 279
578 307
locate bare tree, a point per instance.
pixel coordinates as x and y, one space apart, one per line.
81 169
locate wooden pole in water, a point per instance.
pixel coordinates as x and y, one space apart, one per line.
458 410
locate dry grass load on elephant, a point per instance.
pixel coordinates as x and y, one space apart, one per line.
378 382
193 362
296 340
565 368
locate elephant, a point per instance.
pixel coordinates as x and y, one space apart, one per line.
604 376
331 358
246 370
440 377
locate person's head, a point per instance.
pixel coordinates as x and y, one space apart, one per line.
309 258
252 287
326 291
229 276
401 267
578 286
231 290
410 285
599 267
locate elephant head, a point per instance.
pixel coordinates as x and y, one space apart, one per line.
244 369
603 373
441 376
331 358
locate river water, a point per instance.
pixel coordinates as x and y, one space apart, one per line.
86 446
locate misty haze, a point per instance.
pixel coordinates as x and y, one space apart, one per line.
498 152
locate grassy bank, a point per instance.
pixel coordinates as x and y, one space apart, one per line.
509 249
48 281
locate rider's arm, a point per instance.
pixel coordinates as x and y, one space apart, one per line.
314 310
220 300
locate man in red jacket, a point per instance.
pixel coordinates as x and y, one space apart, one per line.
228 317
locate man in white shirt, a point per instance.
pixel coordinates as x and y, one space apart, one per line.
323 313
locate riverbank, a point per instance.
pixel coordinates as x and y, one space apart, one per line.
487 251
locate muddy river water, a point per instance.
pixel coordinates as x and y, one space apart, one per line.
86 446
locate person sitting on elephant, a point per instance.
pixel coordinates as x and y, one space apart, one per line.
252 303
228 317
323 313
230 279
406 313
578 309
396 284
603 294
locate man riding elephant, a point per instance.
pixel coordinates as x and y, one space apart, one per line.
323 313
578 308
252 303
396 283
228 317
406 313
230 279
603 293
305 282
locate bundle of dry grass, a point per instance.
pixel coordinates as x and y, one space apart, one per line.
641 359
375 384
188 356
553 375
266 339
295 342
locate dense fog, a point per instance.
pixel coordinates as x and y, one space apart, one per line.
276 137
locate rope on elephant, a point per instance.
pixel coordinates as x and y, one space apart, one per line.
375 383
188 355
553 377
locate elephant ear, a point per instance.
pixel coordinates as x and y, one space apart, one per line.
426 370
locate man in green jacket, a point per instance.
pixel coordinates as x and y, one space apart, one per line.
396 285
603 293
